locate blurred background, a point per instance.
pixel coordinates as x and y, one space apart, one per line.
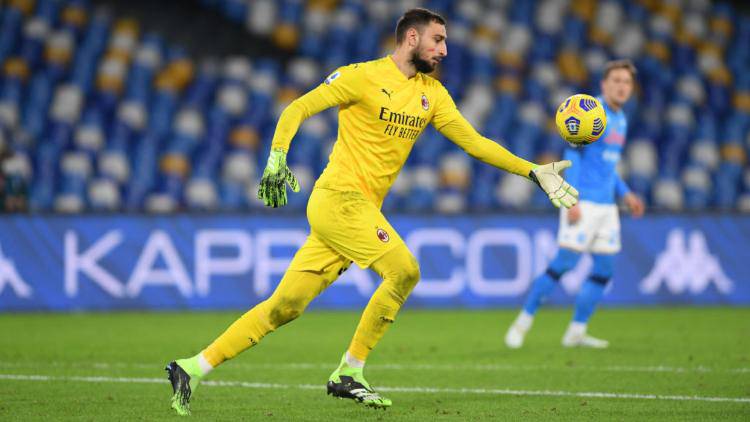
133 134
114 113
168 106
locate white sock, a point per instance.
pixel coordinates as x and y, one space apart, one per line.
524 321
354 362
204 365
577 328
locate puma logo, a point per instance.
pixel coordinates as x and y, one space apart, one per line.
384 91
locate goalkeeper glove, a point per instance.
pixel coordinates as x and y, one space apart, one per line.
272 189
557 189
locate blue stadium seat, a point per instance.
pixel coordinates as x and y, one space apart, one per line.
161 131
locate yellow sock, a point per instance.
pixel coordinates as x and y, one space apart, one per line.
244 333
375 321
400 273
288 301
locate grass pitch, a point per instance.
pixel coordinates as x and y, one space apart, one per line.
664 364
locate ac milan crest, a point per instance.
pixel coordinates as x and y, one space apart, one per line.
425 103
383 235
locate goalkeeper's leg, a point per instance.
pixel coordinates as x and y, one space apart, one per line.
541 288
289 300
400 272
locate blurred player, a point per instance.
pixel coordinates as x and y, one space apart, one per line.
383 107
592 225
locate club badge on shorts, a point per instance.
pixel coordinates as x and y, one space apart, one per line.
425 103
383 235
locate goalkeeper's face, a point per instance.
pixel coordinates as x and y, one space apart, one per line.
430 49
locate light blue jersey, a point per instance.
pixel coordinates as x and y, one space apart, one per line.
594 169
596 231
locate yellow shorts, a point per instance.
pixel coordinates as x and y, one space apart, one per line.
345 227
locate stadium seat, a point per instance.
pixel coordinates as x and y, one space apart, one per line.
164 131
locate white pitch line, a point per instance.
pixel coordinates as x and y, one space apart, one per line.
421 390
415 366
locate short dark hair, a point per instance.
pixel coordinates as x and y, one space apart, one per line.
619 64
415 18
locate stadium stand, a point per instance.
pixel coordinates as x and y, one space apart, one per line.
103 116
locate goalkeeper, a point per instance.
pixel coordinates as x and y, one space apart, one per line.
383 107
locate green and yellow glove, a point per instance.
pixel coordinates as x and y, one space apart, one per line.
272 189
558 190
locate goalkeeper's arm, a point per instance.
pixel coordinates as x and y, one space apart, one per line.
460 132
340 88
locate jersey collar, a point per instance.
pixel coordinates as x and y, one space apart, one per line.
395 70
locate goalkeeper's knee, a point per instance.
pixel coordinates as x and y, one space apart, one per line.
401 280
400 277
293 294
284 309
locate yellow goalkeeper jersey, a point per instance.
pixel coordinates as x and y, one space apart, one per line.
381 115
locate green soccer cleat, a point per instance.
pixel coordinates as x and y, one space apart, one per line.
349 383
184 378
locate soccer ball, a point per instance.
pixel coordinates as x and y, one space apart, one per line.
581 119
